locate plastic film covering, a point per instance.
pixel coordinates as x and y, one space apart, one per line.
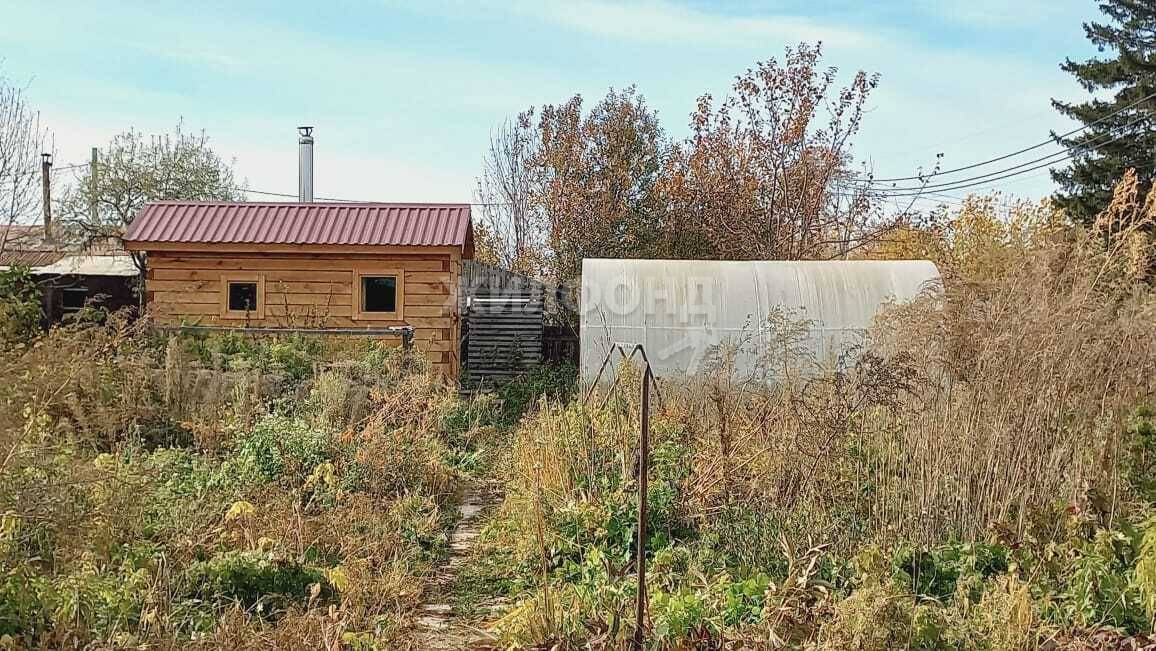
682 310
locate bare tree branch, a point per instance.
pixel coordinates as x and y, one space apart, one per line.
21 143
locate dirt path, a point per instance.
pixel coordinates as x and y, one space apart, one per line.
438 626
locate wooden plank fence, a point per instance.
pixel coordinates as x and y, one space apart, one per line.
503 336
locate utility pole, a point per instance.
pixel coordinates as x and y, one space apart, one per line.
46 191
93 170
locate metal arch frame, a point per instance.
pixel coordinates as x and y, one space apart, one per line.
648 381
621 347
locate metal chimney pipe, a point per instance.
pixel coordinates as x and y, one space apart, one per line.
46 192
305 165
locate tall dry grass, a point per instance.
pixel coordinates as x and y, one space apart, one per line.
977 410
1027 380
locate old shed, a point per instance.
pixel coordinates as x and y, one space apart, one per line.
340 266
71 274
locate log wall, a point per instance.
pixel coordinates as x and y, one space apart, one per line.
313 290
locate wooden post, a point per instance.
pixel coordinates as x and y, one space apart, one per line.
46 192
643 472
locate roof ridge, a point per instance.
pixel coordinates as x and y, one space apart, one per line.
179 202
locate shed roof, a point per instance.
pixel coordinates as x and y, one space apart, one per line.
28 236
372 224
90 265
25 258
26 245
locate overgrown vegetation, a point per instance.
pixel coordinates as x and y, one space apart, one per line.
224 491
978 477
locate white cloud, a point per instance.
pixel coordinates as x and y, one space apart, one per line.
663 22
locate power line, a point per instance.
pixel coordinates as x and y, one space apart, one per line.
36 172
943 144
952 202
1006 176
1008 172
1045 143
959 202
999 175
1050 158
294 196
65 168
960 184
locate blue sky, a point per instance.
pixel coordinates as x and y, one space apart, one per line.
403 95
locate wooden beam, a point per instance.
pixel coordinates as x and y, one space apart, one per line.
272 275
279 262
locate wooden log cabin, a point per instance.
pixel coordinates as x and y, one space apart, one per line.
309 265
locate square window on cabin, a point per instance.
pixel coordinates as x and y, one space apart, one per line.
242 297
378 294
72 299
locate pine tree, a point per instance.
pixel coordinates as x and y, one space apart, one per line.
1101 154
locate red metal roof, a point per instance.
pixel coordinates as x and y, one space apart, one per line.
26 237
25 245
374 224
13 258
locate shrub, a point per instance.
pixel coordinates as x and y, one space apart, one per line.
284 448
20 311
1001 620
257 581
92 600
874 618
939 572
516 397
1096 586
399 447
292 355
337 400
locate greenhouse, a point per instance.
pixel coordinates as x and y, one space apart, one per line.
681 311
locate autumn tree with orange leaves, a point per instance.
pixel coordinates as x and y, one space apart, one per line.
598 178
765 173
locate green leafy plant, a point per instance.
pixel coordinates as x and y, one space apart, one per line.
20 310
1139 465
257 581
282 447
